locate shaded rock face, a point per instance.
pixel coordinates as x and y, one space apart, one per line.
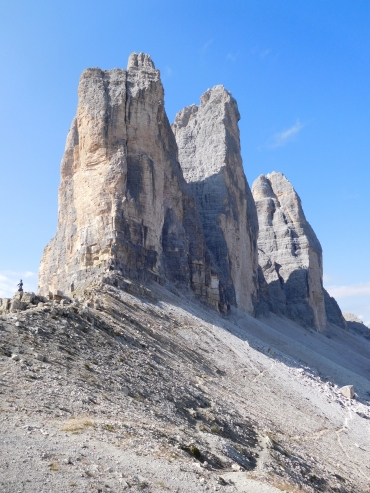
290 254
333 312
356 325
123 201
208 143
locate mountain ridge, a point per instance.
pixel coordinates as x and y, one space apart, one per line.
181 339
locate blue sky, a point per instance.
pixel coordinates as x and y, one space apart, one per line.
299 70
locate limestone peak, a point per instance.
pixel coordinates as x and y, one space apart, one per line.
290 255
140 61
124 205
209 153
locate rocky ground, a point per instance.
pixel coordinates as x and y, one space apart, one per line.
125 392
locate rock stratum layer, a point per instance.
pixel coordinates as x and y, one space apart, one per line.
209 153
290 256
123 202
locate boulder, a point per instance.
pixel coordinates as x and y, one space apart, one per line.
348 391
16 305
4 304
28 297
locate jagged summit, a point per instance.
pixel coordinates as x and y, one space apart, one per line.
206 120
276 186
140 61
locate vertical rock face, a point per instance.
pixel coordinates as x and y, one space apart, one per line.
123 201
290 254
127 206
209 153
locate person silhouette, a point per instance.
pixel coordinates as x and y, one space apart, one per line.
20 284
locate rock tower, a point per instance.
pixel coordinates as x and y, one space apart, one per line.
144 201
209 153
290 256
123 202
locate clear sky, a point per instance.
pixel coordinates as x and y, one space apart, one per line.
299 70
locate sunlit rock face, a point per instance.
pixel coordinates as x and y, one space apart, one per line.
209 153
123 202
290 254
127 208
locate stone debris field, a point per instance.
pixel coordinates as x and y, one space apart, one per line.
115 391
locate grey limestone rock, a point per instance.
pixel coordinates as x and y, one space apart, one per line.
209 153
290 254
123 202
356 325
348 391
351 317
28 297
4 304
333 312
16 304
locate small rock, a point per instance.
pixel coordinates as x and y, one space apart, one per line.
348 391
269 442
28 297
141 479
15 357
125 391
40 357
18 324
40 304
192 412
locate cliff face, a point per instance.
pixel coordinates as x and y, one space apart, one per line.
290 256
127 208
123 202
334 314
209 153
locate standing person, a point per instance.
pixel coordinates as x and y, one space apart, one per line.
20 284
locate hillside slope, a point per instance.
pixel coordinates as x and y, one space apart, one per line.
118 391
